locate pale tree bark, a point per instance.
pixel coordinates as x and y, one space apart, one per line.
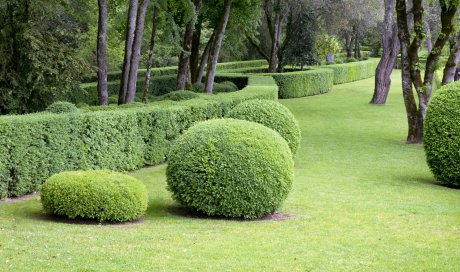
454 57
183 74
217 44
101 53
275 33
390 52
130 28
151 61
204 59
349 44
136 51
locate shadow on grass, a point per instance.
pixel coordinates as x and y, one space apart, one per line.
429 181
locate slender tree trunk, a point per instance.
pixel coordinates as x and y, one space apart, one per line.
183 74
273 63
204 59
349 45
130 28
387 62
101 53
215 50
151 61
429 43
137 43
451 65
195 54
357 46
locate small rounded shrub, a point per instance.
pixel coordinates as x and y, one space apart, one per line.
230 168
270 114
442 134
179 96
95 194
62 107
198 87
224 87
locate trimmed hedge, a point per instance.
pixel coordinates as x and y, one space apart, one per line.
230 168
305 83
62 107
34 147
442 134
353 71
97 194
273 115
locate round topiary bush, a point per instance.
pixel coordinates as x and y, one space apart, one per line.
62 107
270 114
95 194
442 134
230 168
179 96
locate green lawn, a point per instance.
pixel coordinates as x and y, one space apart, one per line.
362 200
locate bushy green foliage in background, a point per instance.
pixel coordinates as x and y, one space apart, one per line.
179 96
273 115
327 45
230 168
442 134
36 146
95 194
353 71
62 107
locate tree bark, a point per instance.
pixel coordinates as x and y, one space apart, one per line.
390 52
276 37
101 53
451 65
195 53
357 46
151 60
349 45
183 74
204 59
130 28
217 44
136 51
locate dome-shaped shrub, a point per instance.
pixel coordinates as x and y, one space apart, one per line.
442 134
95 194
179 96
270 114
230 168
62 107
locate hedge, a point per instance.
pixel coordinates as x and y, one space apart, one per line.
33 147
353 71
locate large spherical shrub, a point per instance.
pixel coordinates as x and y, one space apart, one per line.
442 135
270 114
95 194
62 107
230 168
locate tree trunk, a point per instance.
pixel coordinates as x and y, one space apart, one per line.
183 74
195 54
130 28
101 53
217 43
273 63
451 65
349 45
357 47
151 61
204 59
387 62
137 43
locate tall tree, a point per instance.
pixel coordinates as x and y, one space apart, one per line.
454 57
411 72
388 60
101 53
151 59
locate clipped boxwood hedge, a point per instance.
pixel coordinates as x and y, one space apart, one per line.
442 134
230 168
96 194
33 147
353 71
62 107
273 115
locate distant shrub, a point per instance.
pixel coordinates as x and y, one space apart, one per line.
351 60
82 105
224 87
113 99
198 87
442 134
179 96
304 83
230 168
96 194
62 107
270 114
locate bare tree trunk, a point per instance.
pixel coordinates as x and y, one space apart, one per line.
137 43
215 50
349 45
451 65
273 63
131 27
388 60
195 54
204 59
101 53
183 74
151 61
357 46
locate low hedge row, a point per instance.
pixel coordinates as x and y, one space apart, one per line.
34 147
353 71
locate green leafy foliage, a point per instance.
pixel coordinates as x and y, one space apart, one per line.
33 147
230 168
327 45
304 83
353 71
270 114
95 194
62 107
179 96
442 134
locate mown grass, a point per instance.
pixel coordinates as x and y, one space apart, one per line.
362 200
